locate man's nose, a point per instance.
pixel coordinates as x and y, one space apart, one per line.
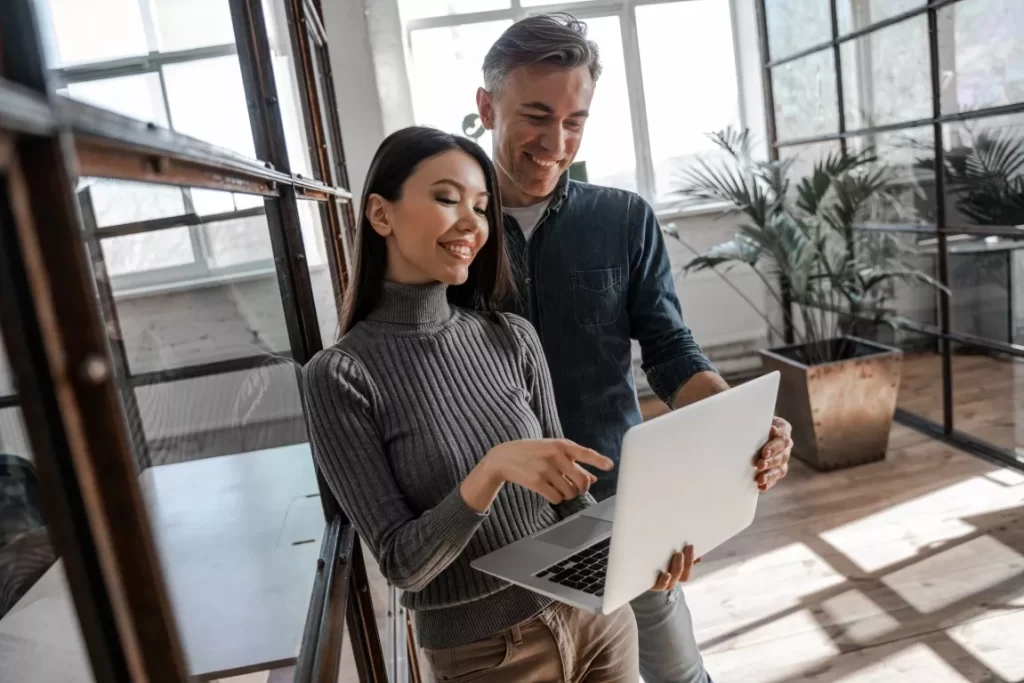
553 140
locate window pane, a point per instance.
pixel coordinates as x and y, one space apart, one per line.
854 15
985 172
322 280
186 324
187 24
982 54
806 104
887 75
238 241
147 251
988 397
40 634
418 9
607 147
447 66
795 25
115 202
288 93
207 101
692 32
136 96
209 202
318 58
908 156
804 157
921 377
93 31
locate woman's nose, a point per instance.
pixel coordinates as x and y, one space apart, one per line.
468 220
467 224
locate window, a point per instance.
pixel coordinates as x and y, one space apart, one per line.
669 79
153 235
173 63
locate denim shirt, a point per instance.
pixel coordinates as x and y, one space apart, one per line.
595 274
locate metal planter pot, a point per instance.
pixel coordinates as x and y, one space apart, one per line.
841 411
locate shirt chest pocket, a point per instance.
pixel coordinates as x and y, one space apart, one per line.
597 296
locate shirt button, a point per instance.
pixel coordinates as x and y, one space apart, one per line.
529 280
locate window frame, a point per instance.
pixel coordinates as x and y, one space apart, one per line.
586 10
200 271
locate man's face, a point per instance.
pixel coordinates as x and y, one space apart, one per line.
537 118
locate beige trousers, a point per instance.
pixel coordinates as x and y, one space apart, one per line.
560 645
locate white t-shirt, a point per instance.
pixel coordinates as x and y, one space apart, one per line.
527 216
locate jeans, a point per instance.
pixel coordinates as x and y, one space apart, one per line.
668 648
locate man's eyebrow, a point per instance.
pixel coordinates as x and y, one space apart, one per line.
540 106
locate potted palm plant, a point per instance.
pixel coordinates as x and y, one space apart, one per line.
837 389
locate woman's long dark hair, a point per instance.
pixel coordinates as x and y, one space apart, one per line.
490 282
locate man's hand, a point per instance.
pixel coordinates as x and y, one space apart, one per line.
773 462
679 569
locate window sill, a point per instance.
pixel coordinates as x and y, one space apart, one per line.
668 214
198 283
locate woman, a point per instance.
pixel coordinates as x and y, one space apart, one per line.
433 421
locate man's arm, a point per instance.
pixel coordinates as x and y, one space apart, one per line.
676 368
699 387
672 359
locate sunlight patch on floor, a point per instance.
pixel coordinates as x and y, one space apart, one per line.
996 642
915 664
965 570
896 533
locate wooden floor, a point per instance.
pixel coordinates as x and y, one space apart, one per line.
907 570
902 571
988 395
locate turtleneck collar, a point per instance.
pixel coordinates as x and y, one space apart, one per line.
412 305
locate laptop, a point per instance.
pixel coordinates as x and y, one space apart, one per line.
686 477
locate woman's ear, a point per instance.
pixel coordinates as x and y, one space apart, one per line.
377 214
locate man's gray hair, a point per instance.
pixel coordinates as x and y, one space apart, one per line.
557 39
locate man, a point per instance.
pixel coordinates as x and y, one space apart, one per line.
594 273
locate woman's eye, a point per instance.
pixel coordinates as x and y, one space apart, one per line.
481 210
447 201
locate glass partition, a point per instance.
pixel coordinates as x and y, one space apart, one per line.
933 90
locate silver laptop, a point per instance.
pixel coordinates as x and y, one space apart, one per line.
687 477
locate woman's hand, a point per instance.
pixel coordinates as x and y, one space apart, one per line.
546 466
679 568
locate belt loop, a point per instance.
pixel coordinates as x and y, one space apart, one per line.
516 632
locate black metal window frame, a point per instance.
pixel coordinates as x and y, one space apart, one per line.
73 382
941 231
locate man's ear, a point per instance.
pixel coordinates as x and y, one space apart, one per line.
377 214
485 106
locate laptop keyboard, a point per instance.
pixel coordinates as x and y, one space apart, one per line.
584 571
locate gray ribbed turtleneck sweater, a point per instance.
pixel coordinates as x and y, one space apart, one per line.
400 411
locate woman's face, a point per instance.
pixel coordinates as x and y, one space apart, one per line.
438 226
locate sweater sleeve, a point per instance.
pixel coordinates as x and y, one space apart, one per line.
542 399
347 445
